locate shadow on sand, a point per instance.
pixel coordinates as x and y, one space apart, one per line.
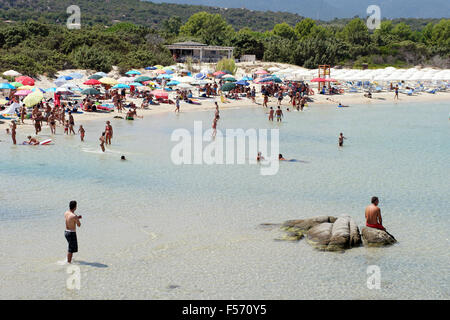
91 264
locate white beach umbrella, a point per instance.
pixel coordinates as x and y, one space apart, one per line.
184 86
126 79
187 79
273 69
11 73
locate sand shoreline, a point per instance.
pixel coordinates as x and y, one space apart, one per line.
208 104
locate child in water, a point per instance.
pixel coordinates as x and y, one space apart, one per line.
81 132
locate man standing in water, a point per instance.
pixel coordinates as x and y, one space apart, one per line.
72 221
341 139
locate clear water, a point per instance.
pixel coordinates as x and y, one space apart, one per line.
154 230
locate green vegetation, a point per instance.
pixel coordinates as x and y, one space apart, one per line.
45 45
34 48
226 64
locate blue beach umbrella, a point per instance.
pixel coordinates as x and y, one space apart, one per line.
6 85
35 89
133 72
168 71
64 78
101 74
75 75
50 90
246 78
200 76
242 83
173 83
164 76
151 68
121 86
136 84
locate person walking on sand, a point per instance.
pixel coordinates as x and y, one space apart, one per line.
396 92
102 141
81 132
108 132
341 139
72 222
13 126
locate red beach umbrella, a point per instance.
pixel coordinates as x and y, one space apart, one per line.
160 94
261 72
318 80
218 73
92 82
26 81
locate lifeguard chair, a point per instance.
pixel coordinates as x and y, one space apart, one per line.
324 71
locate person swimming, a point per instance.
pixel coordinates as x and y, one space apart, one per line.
280 157
123 158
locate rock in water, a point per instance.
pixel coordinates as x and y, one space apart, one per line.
340 234
319 235
355 236
373 237
306 224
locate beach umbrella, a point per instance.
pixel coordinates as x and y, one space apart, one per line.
164 76
228 86
273 69
261 72
22 92
200 76
160 71
121 86
136 84
218 73
150 68
16 84
65 78
173 83
108 81
36 89
25 88
25 80
184 86
95 76
142 79
92 82
330 80
33 98
206 71
160 94
133 72
187 79
101 74
318 80
158 66
231 79
246 78
242 83
6 85
125 79
64 91
169 71
90 91
75 75
12 73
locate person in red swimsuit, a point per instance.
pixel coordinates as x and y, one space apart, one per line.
108 132
373 215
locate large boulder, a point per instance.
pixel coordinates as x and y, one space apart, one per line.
306 224
373 237
319 235
337 236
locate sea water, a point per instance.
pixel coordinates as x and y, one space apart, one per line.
155 230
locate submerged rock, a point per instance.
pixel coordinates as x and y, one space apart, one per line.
373 237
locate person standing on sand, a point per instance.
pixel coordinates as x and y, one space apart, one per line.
72 221
396 92
177 104
13 131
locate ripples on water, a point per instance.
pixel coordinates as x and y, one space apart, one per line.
162 231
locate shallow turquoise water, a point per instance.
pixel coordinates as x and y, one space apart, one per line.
149 224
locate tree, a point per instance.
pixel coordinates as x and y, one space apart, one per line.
172 26
402 32
247 41
284 30
211 28
304 27
356 32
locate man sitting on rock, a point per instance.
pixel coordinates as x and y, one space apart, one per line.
373 215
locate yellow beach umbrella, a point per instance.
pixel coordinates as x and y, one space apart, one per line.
33 98
26 88
107 80
158 66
